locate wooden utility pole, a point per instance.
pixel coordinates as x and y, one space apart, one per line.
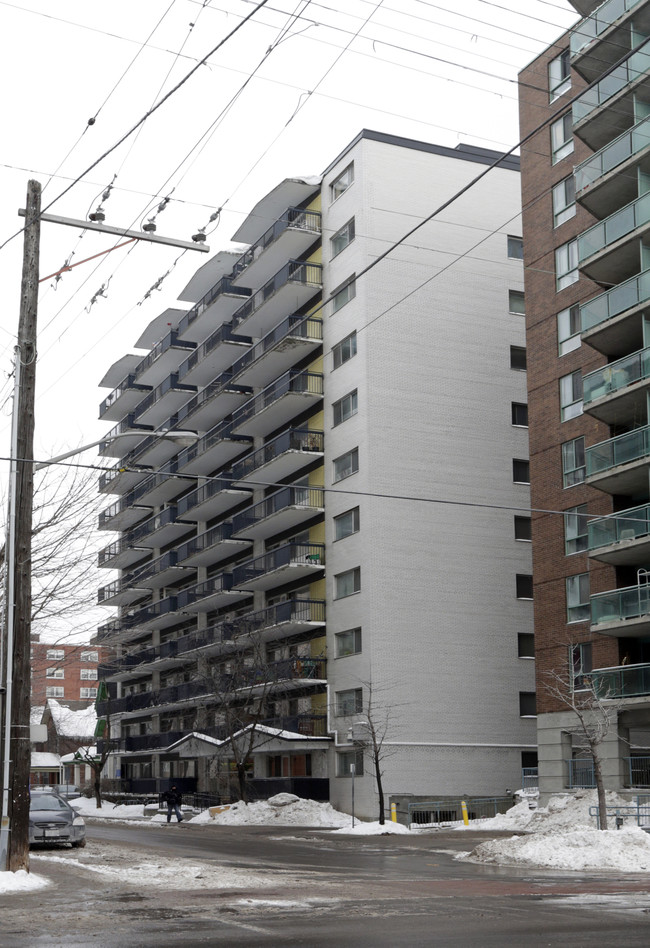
21 543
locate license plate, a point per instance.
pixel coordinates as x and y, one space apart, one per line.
52 833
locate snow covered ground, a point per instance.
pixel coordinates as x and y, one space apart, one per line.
560 836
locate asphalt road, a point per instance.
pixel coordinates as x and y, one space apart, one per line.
297 887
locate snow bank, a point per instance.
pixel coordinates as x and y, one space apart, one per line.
21 881
373 829
86 806
582 849
277 811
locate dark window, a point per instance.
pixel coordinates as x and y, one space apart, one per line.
524 586
527 704
517 357
573 462
526 645
516 302
523 528
516 248
520 414
520 471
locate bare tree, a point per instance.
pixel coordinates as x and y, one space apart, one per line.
369 733
596 714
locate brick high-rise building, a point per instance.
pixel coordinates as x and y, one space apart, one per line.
585 103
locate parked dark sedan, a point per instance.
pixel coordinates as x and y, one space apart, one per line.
52 820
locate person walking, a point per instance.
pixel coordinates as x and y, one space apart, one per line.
173 799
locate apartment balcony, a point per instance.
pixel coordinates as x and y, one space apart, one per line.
217 400
121 592
280 458
161 487
608 180
291 341
121 481
163 359
287 292
284 510
293 617
212 546
162 571
607 108
121 515
163 401
213 309
292 394
115 447
623 613
620 465
121 554
213 356
211 500
612 322
160 530
138 743
622 539
287 564
621 681
289 675
309 725
617 393
599 41
215 593
156 450
610 251
214 451
157 615
159 697
122 399
290 236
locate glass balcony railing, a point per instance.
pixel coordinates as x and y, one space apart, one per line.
295 217
600 20
624 525
295 439
636 65
630 143
631 446
634 292
621 681
616 376
631 602
617 225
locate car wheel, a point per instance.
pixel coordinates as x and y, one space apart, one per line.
79 844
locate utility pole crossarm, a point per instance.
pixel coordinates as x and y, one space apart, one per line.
123 232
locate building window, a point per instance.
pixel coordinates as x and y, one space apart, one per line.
577 597
346 524
54 691
348 643
347 583
342 238
346 464
571 395
345 761
524 586
568 329
564 200
344 350
344 408
559 75
87 692
525 645
520 414
340 185
575 529
573 462
523 528
516 302
580 666
527 704
89 674
566 265
349 702
520 471
54 673
518 358
561 138
516 248
55 654
89 656
344 294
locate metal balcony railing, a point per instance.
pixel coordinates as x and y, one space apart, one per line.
294 439
223 286
221 583
167 342
203 493
631 446
295 271
294 217
223 334
308 497
169 384
205 540
638 772
310 553
636 65
220 432
303 327
127 384
598 22
581 773
221 384
310 383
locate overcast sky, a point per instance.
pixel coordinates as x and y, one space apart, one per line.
408 67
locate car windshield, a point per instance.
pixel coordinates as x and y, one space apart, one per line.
47 801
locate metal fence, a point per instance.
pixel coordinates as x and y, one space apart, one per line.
637 813
529 778
439 812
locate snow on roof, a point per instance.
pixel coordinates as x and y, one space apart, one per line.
69 723
43 759
36 713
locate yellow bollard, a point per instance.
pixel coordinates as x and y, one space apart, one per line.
465 816
393 812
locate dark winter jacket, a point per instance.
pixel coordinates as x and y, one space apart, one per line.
172 797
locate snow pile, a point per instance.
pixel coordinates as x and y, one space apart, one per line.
277 811
21 881
88 807
373 829
567 811
69 723
581 849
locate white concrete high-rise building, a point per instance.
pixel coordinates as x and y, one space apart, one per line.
351 531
